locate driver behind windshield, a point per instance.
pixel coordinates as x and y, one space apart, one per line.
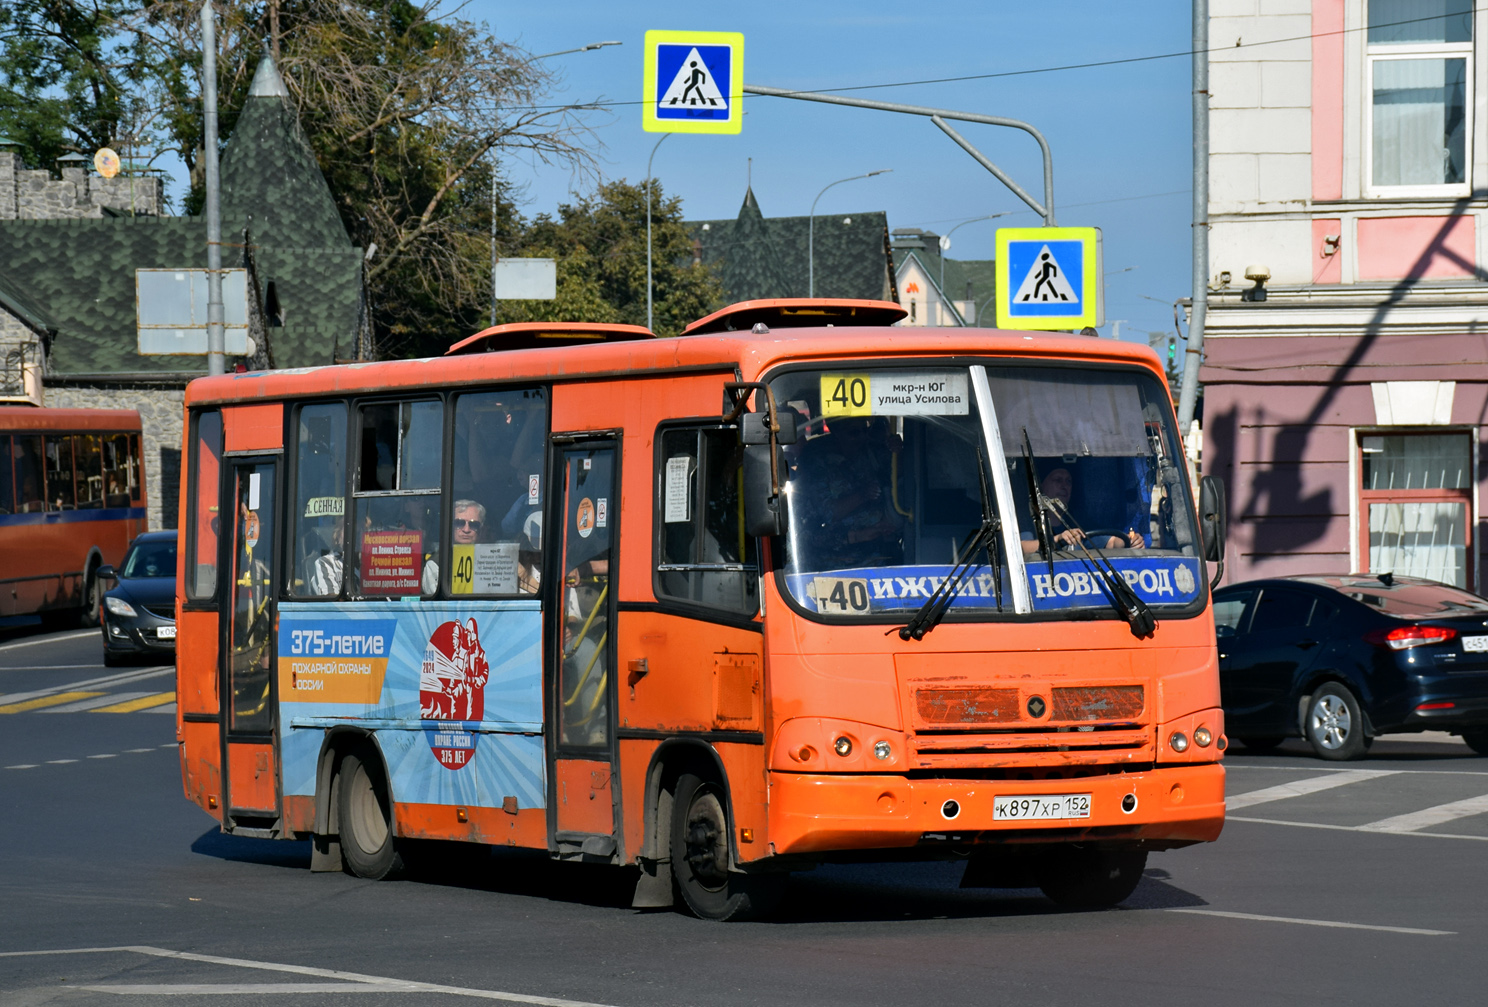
1058 483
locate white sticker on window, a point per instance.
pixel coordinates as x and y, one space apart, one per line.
602 512
675 509
253 491
534 489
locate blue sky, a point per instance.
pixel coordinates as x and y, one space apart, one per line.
1120 134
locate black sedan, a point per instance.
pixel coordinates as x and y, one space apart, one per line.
1343 659
139 614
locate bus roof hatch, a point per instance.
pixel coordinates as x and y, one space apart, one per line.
548 335
796 313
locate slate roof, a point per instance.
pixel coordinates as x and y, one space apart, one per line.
79 274
763 257
14 299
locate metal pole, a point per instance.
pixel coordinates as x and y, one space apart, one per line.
216 339
946 247
648 229
938 115
1195 352
811 227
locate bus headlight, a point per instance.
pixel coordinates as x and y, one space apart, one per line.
1202 737
881 750
843 746
1179 741
118 606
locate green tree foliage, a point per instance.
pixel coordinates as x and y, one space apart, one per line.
599 243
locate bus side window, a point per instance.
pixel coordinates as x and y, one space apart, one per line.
398 499
318 544
60 494
29 488
496 509
704 557
87 455
7 476
204 524
118 471
136 480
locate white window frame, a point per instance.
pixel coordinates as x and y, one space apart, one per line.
1381 52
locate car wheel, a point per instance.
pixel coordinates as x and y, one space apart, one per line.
1082 878
1335 725
365 816
700 859
1262 744
1477 741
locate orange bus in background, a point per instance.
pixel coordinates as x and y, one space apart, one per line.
795 587
72 498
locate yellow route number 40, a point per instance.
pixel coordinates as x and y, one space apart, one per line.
846 395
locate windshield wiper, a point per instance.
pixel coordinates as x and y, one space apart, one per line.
983 538
1037 504
1123 599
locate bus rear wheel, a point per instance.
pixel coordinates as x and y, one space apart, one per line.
1084 878
364 813
91 613
700 858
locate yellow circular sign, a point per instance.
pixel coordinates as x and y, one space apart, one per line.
107 163
584 518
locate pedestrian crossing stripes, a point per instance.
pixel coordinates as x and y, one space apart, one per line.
95 702
1303 787
1439 815
1410 823
26 705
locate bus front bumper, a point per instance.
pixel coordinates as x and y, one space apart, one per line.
810 813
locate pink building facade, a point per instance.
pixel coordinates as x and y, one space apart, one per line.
1346 367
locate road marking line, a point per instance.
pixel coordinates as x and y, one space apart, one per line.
1301 788
25 765
101 700
1316 923
142 749
50 667
398 985
171 744
1353 828
44 701
197 989
167 708
107 680
1230 767
110 756
50 639
60 762
1427 817
135 705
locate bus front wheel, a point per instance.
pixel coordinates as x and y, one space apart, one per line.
364 814
1083 878
700 858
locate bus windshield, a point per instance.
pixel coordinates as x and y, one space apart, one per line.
892 477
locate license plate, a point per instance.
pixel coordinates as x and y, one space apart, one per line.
1475 644
165 633
1041 806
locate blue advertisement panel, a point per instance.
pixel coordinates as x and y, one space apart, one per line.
451 690
1073 583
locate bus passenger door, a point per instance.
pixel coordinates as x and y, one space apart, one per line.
250 622
581 654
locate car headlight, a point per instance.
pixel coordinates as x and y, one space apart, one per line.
118 606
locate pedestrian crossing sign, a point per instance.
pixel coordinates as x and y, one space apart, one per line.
1049 278
694 82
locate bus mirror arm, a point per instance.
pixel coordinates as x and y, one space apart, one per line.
762 434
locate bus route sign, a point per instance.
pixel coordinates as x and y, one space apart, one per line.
1049 278
693 82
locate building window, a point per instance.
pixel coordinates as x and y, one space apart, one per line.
1418 67
1415 499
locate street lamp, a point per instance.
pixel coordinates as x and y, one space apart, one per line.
811 229
945 241
532 59
648 228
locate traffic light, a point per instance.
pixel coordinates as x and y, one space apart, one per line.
1172 354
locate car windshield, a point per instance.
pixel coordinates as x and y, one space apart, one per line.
150 559
1409 599
891 478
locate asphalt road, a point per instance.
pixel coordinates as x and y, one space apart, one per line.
1362 883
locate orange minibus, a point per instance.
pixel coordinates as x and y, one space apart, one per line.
72 498
800 585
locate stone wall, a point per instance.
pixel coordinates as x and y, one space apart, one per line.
36 195
161 416
19 344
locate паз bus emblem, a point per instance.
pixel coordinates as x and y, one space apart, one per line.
452 687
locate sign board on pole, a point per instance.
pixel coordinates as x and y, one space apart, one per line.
1049 278
171 311
526 279
694 82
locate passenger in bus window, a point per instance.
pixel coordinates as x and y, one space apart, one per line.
324 577
1058 483
469 519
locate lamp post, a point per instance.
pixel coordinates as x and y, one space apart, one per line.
945 242
533 59
811 229
648 228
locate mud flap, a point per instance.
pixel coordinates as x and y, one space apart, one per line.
654 889
325 853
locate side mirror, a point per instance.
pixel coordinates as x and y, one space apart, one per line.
754 428
108 572
1212 517
764 510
